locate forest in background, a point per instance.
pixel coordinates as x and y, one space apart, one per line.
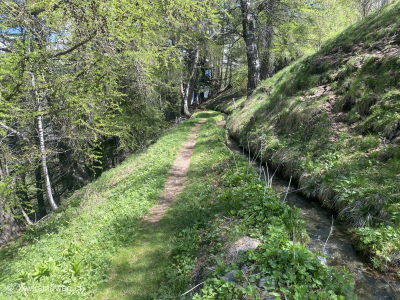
84 83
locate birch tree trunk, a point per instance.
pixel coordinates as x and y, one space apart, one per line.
43 148
25 215
44 163
253 62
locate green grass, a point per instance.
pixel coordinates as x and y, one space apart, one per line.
137 270
223 201
332 120
96 239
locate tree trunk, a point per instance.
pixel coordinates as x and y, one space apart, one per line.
182 111
2 173
25 216
253 62
220 72
228 59
42 147
22 197
187 98
44 164
9 228
265 56
230 71
190 84
39 192
266 39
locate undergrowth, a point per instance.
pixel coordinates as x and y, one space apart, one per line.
223 202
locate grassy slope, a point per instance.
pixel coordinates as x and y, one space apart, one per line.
97 240
332 120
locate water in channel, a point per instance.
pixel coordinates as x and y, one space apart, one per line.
369 284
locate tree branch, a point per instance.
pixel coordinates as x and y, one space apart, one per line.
74 47
15 132
37 11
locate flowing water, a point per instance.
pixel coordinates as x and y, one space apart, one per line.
369 284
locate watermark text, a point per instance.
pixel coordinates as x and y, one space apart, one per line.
45 288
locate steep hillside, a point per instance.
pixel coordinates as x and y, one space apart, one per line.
332 121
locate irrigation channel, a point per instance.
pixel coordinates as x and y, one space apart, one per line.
369 284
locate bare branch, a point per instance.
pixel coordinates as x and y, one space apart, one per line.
14 131
5 50
75 46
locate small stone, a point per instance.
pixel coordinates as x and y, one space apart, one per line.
244 269
266 296
229 277
243 244
263 282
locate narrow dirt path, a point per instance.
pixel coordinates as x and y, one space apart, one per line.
175 180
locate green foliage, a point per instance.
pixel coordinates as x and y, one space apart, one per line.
383 242
301 278
44 268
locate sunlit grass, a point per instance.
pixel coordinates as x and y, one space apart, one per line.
137 270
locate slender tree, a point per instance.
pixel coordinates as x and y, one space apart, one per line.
249 36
